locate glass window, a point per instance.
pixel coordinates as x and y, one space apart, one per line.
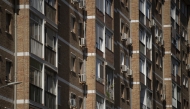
148 10
35 81
108 7
50 85
100 5
99 37
109 40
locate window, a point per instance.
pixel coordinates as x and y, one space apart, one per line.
35 81
35 27
73 23
8 23
50 85
147 10
37 4
50 38
59 54
159 6
99 70
148 67
122 59
109 40
80 103
99 102
108 7
50 48
8 71
128 94
59 13
184 8
99 37
109 83
149 100
100 5
141 5
81 67
142 62
51 2
127 61
59 96
173 10
175 67
141 36
73 59
36 35
178 94
148 41
174 91
80 29
122 91
73 100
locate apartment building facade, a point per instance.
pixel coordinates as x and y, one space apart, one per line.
94 54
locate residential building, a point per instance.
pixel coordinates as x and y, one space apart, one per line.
94 54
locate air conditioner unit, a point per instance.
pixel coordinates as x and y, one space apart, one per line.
124 68
75 1
124 36
162 41
129 41
188 67
72 103
152 22
82 4
82 78
130 72
163 96
82 42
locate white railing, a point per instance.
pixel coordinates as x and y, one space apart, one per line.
36 47
38 4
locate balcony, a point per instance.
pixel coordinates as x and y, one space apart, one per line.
50 12
36 47
50 55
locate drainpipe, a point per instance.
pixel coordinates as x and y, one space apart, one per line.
15 75
130 62
84 58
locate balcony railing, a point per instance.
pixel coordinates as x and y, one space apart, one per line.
50 12
50 55
36 47
37 4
